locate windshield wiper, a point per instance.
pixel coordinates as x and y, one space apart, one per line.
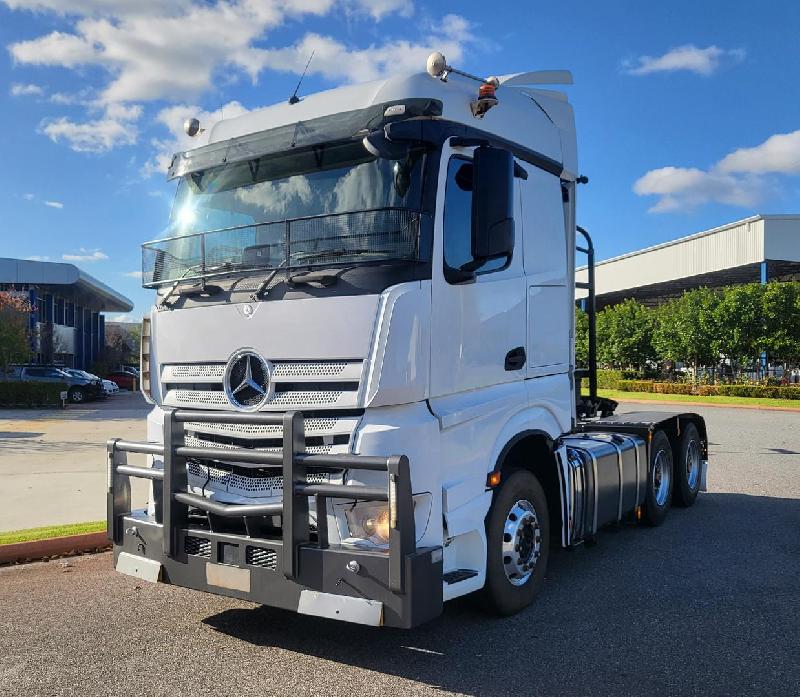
262 289
202 288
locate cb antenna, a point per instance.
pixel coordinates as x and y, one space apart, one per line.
294 98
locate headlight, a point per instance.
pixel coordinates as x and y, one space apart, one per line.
369 521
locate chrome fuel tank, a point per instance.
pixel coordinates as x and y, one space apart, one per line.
608 476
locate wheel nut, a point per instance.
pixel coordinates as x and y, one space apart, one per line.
353 566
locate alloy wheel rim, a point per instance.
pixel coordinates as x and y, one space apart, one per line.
662 473
692 464
522 542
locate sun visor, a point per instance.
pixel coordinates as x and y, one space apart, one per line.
325 129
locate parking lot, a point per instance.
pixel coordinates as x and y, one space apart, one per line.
53 462
708 604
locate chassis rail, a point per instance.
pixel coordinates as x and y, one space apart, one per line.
294 508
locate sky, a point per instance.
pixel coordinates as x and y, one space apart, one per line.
688 113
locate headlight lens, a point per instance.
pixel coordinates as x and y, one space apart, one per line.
369 521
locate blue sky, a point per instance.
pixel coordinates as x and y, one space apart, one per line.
687 111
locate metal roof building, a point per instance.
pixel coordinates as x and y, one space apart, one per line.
70 300
756 249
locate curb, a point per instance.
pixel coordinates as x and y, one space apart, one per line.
53 547
714 405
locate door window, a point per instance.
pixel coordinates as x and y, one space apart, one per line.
458 219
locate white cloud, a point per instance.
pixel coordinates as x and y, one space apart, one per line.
779 153
378 9
336 61
85 255
54 204
738 179
685 188
36 257
30 90
132 274
703 61
99 135
29 197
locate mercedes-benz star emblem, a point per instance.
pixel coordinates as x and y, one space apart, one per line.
247 380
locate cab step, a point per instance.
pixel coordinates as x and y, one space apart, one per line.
458 575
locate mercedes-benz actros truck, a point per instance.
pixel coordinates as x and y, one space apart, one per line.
361 359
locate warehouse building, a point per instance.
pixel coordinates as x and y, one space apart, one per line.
760 248
67 302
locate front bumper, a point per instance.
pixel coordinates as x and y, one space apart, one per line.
296 569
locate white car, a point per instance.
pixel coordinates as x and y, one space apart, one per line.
110 387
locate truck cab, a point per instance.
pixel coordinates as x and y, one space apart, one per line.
361 359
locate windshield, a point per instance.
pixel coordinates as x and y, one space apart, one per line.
327 204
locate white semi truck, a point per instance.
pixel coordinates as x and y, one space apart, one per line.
361 359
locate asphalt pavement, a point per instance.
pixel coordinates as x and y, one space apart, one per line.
707 604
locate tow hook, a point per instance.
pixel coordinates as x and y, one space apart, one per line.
133 531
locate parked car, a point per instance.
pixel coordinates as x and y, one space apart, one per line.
109 386
124 379
80 388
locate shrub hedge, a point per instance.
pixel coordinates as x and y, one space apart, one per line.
30 394
748 390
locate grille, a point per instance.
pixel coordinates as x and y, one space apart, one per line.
218 478
321 369
197 546
264 558
312 425
195 442
199 370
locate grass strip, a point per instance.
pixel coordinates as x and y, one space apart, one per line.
51 531
621 396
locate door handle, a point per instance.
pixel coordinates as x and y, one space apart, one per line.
515 358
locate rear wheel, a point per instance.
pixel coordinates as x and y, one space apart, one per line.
518 543
687 467
76 395
659 480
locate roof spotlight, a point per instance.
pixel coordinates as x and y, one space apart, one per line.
192 127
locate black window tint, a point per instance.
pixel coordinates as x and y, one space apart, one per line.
458 218
35 372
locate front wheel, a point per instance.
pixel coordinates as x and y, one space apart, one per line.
518 543
76 395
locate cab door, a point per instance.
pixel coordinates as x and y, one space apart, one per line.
478 333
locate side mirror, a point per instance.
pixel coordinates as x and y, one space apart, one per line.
492 203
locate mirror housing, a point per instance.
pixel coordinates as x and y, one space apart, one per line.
492 204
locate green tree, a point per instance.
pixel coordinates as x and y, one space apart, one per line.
581 337
15 342
625 335
781 327
739 323
686 329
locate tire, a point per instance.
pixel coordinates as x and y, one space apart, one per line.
76 395
659 480
687 467
518 513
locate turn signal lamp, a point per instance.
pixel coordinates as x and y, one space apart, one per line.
493 479
144 361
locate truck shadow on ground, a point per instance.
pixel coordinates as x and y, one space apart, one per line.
627 616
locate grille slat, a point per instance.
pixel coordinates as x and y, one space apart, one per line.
340 399
218 479
264 558
282 371
197 546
